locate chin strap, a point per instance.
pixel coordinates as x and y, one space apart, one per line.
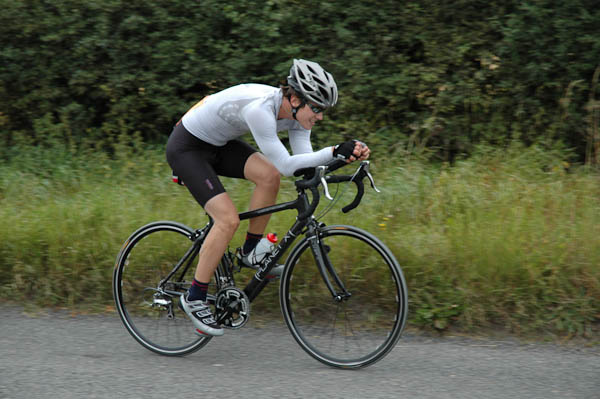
295 109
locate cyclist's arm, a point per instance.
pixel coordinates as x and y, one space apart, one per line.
263 127
300 141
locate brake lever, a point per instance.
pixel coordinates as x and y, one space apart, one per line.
321 172
367 168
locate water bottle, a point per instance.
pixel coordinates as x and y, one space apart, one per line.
264 247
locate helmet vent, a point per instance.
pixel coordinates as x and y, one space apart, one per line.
324 92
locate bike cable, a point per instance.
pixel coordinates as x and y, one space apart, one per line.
336 197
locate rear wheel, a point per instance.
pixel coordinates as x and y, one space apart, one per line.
356 329
148 308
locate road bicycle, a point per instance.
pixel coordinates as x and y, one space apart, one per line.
342 293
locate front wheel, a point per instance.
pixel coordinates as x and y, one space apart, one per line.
351 330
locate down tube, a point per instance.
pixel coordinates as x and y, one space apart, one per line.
259 280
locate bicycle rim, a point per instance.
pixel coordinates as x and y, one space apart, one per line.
360 330
152 317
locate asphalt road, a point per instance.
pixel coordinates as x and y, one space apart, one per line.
56 355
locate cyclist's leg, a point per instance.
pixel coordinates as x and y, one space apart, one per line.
226 219
193 160
262 172
240 160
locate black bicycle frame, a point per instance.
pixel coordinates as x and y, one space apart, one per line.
305 209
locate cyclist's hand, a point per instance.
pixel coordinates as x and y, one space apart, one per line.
350 150
363 150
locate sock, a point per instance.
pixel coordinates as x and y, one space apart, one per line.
251 242
197 291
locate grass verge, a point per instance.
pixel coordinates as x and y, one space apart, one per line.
507 239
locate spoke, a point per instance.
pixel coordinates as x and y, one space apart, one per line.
334 324
349 324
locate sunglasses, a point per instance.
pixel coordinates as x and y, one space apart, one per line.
315 109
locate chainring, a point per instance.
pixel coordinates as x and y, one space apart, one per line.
232 308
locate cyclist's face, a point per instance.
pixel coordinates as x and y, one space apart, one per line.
307 117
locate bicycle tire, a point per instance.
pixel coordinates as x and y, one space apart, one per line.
148 256
373 317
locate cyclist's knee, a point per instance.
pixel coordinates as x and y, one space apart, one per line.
262 172
267 177
228 223
224 213
271 178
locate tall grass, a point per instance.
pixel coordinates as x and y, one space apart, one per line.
506 239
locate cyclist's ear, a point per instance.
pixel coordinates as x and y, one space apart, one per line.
295 100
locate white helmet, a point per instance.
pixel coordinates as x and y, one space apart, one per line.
313 83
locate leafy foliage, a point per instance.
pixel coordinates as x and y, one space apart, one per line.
421 74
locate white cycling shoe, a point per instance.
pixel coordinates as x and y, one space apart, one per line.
254 259
200 314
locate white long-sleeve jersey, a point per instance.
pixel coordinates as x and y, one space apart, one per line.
228 114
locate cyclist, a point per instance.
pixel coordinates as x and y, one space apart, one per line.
205 144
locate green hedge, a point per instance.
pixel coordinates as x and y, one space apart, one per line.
442 75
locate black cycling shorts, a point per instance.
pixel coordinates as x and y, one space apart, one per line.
199 163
